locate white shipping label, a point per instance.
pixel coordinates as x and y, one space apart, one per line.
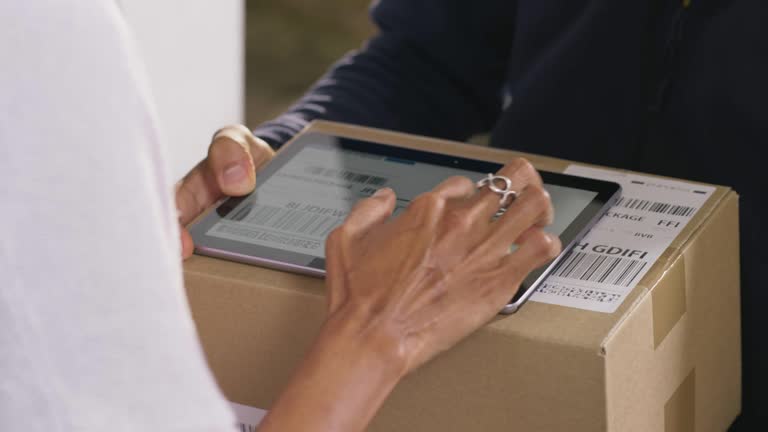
599 272
248 418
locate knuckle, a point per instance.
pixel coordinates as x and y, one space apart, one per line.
224 149
428 201
220 142
459 219
361 204
232 128
192 200
555 247
522 165
333 237
338 235
539 197
233 135
261 145
544 245
461 181
438 293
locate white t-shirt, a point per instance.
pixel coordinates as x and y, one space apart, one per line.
95 331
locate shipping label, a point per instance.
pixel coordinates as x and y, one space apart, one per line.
599 272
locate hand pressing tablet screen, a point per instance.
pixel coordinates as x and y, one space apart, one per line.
312 183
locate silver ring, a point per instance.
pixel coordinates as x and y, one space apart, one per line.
506 194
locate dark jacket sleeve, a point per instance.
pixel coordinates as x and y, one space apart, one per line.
436 67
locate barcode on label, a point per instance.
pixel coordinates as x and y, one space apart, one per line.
578 293
346 175
592 267
243 427
294 221
655 207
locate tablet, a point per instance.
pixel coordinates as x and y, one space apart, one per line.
313 182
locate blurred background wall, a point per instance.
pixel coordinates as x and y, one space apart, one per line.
193 51
290 43
211 63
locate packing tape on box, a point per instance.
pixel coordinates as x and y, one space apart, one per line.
668 299
680 408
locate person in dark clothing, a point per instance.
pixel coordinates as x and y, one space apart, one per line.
665 87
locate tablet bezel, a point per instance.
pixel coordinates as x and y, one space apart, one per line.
249 253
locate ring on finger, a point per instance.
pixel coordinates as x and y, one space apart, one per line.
508 195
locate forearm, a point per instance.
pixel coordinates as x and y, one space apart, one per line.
387 85
431 70
340 385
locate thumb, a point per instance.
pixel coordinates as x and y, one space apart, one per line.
233 157
187 244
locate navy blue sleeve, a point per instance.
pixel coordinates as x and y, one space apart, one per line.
436 67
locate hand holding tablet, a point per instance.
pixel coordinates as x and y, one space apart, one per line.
234 156
314 181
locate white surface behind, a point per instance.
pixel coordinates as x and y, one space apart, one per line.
193 50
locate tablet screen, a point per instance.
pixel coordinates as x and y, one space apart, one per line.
300 200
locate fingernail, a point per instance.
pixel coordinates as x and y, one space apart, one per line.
234 173
380 193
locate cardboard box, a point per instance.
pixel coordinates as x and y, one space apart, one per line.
667 360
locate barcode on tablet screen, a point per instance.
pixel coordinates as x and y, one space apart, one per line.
655 207
592 267
243 427
294 221
341 174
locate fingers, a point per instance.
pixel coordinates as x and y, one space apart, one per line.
520 172
368 213
364 216
373 211
531 208
336 264
187 245
528 211
430 206
196 192
232 166
478 299
455 187
535 247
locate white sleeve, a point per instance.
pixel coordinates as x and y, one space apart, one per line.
95 331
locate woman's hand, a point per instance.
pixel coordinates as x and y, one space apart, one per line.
230 168
419 283
402 290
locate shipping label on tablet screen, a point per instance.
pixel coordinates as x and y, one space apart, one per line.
302 202
613 257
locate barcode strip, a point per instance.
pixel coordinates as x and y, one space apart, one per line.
592 267
655 207
293 221
247 427
588 294
347 175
